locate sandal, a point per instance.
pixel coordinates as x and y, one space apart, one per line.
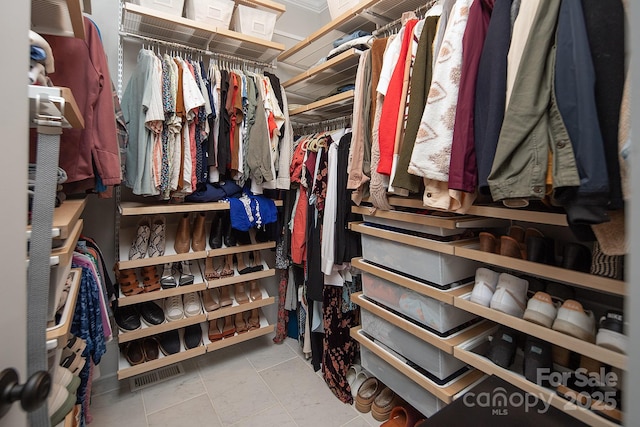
229 328
167 280
150 278
257 261
244 263
227 269
210 271
254 320
128 281
240 323
255 292
186 277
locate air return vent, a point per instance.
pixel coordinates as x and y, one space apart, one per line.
157 376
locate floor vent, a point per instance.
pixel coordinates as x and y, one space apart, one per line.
157 376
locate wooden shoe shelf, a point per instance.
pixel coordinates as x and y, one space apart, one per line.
408 227
126 236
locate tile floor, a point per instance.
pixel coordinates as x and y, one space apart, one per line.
255 383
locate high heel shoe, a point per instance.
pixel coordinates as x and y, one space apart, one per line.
227 269
210 273
244 263
228 329
240 293
241 323
254 320
225 296
254 291
257 261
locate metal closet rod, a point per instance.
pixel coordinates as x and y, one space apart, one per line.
324 124
398 21
205 52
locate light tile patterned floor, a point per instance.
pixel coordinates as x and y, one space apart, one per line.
255 383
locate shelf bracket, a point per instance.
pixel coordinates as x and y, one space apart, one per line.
374 17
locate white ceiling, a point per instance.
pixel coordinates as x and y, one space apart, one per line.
312 5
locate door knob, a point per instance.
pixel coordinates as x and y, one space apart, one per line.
31 394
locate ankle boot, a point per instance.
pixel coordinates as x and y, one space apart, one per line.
198 242
489 243
541 250
229 234
241 293
254 290
229 328
181 244
576 257
225 296
510 247
215 236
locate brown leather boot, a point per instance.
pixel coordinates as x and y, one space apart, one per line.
254 290
489 243
198 238
241 293
225 296
181 245
510 247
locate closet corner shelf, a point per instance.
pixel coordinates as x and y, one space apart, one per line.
72 115
596 352
444 344
64 218
139 208
421 288
332 73
58 17
470 250
338 105
446 394
363 16
147 22
485 365
267 5
61 330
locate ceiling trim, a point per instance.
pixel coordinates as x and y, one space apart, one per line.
316 6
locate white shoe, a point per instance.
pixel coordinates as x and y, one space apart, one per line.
541 309
511 295
64 377
192 304
573 320
173 308
486 282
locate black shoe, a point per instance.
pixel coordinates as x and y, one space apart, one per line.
611 332
169 342
242 237
502 350
127 318
192 336
576 257
215 236
151 313
541 250
229 232
538 361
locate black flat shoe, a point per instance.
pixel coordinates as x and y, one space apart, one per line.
169 342
538 361
192 336
502 350
127 318
152 314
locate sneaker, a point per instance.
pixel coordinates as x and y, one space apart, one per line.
538 361
541 310
173 308
510 295
140 245
611 332
486 282
573 320
502 350
192 304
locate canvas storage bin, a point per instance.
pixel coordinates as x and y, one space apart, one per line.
338 7
423 354
254 22
414 394
216 13
430 266
434 314
172 7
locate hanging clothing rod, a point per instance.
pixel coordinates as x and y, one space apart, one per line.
329 124
216 55
419 11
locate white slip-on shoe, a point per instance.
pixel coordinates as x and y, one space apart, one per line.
173 308
611 333
485 285
510 295
192 304
573 320
64 377
357 382
541 310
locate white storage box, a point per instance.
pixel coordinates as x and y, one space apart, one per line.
423 264
415 395
254 22
423 354
338 7
216 13
434 314
172 7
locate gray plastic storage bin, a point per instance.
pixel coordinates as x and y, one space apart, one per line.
415 395
430 312
434 267
423 354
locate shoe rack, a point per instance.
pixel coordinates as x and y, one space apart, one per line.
130 212
407 228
